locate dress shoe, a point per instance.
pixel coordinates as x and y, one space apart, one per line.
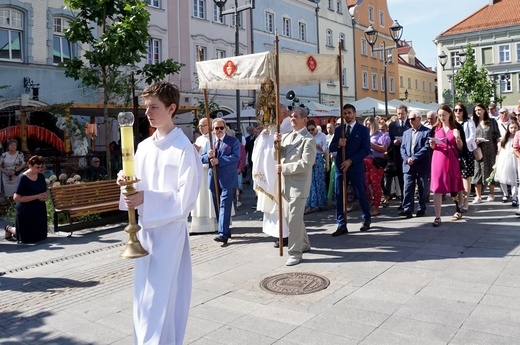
285 242
220 238
406 214
341 230
293 260
366 225
420 213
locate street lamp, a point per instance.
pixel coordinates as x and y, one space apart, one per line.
235 11
443 59
371 34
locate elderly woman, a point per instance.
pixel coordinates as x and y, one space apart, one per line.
31 212
11 165
447 140
318 193
487 136
379 142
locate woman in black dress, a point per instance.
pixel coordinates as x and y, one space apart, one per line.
30 196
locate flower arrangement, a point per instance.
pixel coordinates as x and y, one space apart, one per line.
62 179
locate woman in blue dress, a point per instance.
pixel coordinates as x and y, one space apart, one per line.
318 194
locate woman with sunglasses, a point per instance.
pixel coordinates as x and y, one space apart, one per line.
318 193
462 117
487 139
31 212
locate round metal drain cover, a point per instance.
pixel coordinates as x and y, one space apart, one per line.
296 283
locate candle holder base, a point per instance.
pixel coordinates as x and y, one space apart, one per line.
133 248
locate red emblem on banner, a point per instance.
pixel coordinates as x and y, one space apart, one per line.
311 63
230 68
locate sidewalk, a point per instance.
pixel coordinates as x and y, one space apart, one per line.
402 282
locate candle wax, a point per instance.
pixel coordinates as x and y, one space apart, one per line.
127 150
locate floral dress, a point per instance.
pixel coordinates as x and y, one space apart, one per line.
484 167
10 162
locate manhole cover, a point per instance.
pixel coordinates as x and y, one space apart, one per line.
296 283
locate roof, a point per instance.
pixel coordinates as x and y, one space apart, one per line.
418 65
351 3
501 13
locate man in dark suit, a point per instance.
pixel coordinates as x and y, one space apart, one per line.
415 153
224 156
395 131
297 156
357 146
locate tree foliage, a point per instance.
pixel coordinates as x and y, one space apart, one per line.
472 84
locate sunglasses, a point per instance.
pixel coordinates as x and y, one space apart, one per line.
412 118
457 110
218 128
311 129
502 112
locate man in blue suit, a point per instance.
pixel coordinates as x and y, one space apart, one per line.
357 146
224 157
415 152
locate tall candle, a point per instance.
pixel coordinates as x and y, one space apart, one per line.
127 150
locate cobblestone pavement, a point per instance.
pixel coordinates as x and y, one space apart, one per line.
403 282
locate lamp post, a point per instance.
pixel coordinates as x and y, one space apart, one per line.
371 34
235 11
443 59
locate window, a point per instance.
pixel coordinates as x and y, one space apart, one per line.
392 85
424 85
216 15
328 38
382 52
363 47
431 87
240 21
154 51
383 83
269 22
153 3
374 81
339 8
381 18
11 24
198 8
505 83
409 83
302 31
401 81
331 5
373 54
364 75
286 27
200 50
371 14
487 56
61 47
416 84
344 77
518 52
390 56
342 41
455 59
504 53
220 54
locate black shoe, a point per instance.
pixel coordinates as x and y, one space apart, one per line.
220 238
285 242
340 231
420 213
366 226
405 214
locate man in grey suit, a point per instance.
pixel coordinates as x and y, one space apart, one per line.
297 156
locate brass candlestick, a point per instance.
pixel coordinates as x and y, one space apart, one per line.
133 248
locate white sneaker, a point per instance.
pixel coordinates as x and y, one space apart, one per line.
477 201
293 260
490 198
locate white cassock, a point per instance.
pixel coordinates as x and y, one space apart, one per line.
265 181
170 172
203 217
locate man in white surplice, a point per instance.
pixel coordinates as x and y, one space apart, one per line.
265 178
203 218
170 173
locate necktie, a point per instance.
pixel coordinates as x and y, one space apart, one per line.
347 133
414 137
295 134
217 146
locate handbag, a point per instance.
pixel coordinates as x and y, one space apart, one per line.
380 162
462 163
478 154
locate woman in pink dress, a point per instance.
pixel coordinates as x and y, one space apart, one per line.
447 140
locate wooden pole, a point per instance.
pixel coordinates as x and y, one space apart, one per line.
210 138
343 155
278 153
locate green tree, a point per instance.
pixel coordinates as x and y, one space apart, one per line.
472 84
116 32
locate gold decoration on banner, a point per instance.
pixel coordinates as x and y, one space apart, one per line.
266 105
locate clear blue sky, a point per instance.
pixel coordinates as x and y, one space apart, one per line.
423 20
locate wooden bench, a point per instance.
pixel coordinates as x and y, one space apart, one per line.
82 199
